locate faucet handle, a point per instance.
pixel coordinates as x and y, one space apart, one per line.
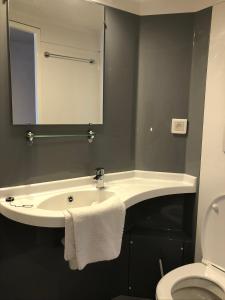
100 171
99 177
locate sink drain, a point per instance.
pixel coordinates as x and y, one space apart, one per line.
70 198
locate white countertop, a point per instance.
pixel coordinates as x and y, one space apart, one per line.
131 187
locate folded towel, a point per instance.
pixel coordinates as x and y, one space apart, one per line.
94 233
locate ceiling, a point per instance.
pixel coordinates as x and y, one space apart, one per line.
155 7
70 13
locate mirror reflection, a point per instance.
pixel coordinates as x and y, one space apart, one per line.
56 57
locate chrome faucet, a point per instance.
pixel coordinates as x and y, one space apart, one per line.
99 178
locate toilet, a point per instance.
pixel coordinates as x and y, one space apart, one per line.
205 280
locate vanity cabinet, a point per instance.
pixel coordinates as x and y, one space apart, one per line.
160 231
149 250
33 257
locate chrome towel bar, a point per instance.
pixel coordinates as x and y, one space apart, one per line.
80 59
30 136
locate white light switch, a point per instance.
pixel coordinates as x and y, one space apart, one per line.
179 126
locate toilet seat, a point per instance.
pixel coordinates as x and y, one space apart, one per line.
191 271
212 268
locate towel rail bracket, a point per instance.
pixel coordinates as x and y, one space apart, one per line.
30 136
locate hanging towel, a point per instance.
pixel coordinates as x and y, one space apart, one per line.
94 233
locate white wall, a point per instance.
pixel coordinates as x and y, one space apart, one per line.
73 86
212 178
71 91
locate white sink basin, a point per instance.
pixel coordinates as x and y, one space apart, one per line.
75 199
43 204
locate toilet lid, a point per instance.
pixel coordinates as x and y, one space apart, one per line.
213 234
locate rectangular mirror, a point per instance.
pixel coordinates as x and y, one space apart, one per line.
57 61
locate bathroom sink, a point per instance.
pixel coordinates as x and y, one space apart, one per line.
44 204
75 199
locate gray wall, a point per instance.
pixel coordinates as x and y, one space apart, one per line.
202 24
59 159
165 53
167 81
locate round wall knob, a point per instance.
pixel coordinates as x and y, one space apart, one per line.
215 207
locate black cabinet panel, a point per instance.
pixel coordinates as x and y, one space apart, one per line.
32 267
128 298
146 249
167 213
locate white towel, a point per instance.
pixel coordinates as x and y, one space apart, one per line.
94 233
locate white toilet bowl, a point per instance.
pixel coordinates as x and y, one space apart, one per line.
206 280
192 282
